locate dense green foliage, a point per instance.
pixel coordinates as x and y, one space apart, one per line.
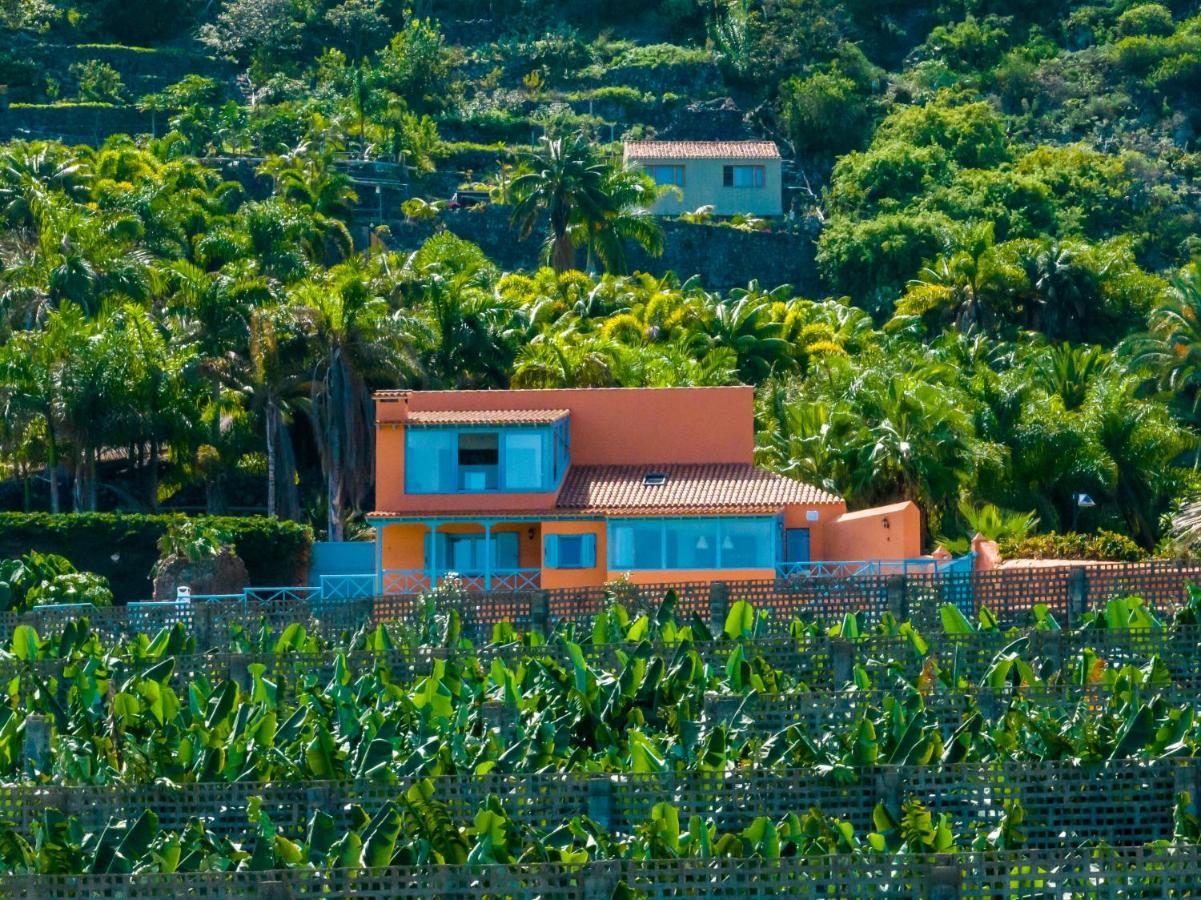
1002 201
124 547
114 721
38 579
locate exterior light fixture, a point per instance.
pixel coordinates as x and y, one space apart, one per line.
1081 501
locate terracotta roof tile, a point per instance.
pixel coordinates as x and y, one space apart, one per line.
701 150
486 417
713 488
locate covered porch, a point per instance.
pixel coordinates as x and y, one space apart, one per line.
502 554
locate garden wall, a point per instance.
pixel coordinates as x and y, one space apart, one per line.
723 257
74 123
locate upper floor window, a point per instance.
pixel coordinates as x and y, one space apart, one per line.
450 460
743 176
667 175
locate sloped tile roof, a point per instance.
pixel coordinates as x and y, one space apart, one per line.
701 150
486 417
686 489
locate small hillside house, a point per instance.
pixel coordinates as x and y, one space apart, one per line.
731 176
529 489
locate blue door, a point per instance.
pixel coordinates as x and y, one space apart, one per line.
796 545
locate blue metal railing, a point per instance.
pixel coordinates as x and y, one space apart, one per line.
347 587
852 568
416 581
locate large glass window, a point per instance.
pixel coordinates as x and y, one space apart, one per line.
636 544
747 543
464 553
524 460
475 460
692 544
430 461
479 461
718 542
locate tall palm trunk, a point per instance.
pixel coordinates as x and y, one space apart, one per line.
287 495
152 475
52 465
91 464
272 415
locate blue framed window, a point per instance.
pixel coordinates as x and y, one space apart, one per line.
484 460
466 552
569 551
718 542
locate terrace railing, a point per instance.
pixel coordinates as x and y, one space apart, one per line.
346 587
498 580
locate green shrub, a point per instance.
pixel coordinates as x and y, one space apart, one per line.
653 56
37 579
1104 545
1146 19
123 547
98 82
72 587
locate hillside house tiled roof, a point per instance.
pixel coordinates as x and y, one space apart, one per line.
644 150
684 490
486 417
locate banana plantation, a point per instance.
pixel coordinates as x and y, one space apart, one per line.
638 752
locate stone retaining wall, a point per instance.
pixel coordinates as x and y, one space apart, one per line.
723 257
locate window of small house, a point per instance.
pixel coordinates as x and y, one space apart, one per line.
667 175
743 176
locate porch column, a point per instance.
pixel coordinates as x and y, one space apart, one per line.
431 553
379 560
487 554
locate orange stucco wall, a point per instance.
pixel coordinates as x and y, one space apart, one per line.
609 426
883 532
820 530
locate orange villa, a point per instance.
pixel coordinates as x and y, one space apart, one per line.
528 489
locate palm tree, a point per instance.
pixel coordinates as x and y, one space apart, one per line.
211 312
744 324
270 380
1063 288
307 178
627 219
587 202
1170 349
974 287
1141 444
564 359
1068 372
29 386
354 339
472 332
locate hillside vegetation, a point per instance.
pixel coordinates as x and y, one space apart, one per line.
1002 200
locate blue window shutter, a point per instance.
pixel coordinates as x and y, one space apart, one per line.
550 551
588 551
